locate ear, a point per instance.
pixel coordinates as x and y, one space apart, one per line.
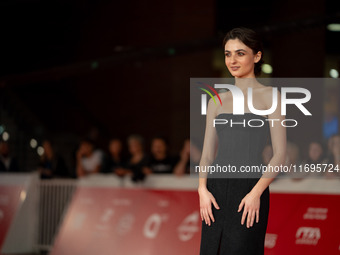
258 57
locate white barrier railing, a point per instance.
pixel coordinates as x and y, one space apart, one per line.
55 196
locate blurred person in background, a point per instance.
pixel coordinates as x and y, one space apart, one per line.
190 156
51 164
315 156
293 154
160 162
89 159
293 161
115 162
137 165
333 156
8 163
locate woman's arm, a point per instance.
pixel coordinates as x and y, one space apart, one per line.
251 201
209 144
279 142
208 154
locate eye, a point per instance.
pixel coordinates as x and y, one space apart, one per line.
240 53
227 54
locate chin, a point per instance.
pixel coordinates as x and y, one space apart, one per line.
236 74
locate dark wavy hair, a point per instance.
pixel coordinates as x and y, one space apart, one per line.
250 38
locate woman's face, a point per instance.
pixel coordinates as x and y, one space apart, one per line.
240 59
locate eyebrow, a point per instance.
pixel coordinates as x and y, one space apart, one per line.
236 50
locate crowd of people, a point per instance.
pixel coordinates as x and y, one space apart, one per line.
140 161
137 163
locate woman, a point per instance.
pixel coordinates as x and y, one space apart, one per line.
232 221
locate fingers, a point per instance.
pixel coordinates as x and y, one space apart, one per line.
241 205
243 217
211 215
206 216
202 215
215 203
206 210
250 219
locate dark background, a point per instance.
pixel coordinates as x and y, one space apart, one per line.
72 68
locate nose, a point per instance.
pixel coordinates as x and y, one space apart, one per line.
233 59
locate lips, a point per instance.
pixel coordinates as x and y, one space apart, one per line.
234 68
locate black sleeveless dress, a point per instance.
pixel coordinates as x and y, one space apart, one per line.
239 146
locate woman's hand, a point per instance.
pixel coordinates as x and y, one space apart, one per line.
206 198
251 204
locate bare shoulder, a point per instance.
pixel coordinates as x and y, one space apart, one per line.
225 94
212 105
